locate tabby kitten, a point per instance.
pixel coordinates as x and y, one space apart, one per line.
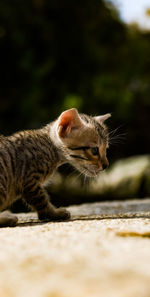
29 158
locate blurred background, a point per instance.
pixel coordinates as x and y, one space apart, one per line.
92 55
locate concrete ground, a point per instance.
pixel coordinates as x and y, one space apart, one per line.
104 250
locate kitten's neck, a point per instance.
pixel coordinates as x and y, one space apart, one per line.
51 130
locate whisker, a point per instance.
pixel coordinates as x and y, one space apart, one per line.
116 138
121 134
120 138
84 178
78 175
84 181
72 173
112 132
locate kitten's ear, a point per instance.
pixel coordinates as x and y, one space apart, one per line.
68 120
102 118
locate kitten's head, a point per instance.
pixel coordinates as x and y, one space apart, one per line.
84 140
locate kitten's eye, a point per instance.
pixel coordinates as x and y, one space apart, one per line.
95 151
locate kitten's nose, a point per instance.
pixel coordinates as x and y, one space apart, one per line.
104 166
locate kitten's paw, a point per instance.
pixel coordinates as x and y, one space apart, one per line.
12 222
8 219
62 213
59 214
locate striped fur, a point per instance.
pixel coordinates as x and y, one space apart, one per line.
27 161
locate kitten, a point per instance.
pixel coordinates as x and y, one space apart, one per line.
29 158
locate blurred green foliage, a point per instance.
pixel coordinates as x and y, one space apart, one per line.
60 54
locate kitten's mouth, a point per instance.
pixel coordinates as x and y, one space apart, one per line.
92 170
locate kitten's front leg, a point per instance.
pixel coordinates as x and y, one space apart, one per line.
37 197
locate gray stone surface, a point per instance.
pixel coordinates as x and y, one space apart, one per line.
104 250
